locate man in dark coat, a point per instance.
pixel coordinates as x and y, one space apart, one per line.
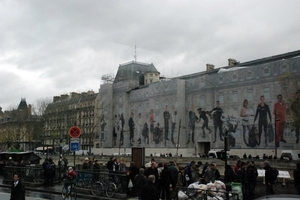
17 189
242 178
269 178
297 177
149 191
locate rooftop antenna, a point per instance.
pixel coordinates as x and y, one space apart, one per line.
135 56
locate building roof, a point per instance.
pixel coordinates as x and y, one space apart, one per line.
23 104
133 70
247 63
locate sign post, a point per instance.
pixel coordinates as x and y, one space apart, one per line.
74 133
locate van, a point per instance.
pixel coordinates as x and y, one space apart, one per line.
217 154
290 155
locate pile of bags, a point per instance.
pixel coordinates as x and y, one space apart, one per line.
214 191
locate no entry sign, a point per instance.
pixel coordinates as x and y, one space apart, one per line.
74 132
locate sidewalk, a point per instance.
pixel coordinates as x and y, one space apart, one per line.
56 189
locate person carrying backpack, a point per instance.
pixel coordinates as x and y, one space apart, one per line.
269 178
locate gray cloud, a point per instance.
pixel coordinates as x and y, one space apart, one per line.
56 47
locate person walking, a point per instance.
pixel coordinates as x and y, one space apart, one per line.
297 177
139 182
252 175
149 191
17 189
242 178
165 182
86 164
269 178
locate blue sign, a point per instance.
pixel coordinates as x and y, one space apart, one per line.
74 146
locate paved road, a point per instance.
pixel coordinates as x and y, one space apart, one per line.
30 195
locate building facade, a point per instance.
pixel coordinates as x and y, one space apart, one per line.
20 129
66 111
166 114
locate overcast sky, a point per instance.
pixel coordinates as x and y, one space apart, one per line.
54 47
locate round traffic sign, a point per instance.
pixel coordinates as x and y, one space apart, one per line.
74 132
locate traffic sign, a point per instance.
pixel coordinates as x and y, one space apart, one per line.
74 146
74 131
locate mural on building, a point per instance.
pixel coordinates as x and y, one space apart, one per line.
242 104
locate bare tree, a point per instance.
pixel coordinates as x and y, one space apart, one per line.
41 105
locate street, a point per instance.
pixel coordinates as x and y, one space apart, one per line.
5 195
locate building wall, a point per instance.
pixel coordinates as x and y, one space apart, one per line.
189 93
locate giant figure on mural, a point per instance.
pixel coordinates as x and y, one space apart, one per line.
122 123
262 111
216 114
192 120
202 115
244 114
166 123
131 129
295 107
102 127
173 120
279 111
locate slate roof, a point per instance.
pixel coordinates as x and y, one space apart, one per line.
133 70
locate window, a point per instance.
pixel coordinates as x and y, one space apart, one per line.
221 98
234 76
202 101
234 96
250 95
266 71
267 93
156 105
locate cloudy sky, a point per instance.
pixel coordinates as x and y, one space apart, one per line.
54 47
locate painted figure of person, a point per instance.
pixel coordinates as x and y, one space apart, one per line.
192 120
145 133
202 115
131 128
102 127
279 111
263 111
166 122
218 123
173 120
139 128
122 123
295 107
151 122
245 120
115 130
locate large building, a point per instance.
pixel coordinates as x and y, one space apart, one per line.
66 111
19 128
173 104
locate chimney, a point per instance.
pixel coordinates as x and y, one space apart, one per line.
56 98
232 62
209 67
64 96
74 94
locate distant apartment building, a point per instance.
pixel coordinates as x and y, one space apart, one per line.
19 128
66 111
